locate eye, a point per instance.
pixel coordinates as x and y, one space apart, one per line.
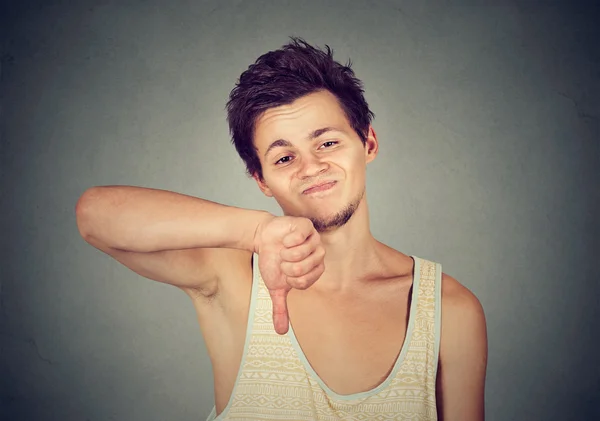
286 159
280 160
330 141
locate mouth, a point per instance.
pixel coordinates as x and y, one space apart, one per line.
320 187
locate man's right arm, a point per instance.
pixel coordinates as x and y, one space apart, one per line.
168 237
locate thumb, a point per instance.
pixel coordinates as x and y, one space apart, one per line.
281 319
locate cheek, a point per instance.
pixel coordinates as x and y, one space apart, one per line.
354 162
279 187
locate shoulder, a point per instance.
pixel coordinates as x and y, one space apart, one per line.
462 363
463 320
458 300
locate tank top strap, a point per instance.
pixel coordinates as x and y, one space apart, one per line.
421 360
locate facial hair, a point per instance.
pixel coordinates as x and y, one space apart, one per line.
339 219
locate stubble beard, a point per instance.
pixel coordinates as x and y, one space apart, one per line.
339 219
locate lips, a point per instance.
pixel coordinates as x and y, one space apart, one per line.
314 186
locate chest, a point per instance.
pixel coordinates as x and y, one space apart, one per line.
353 342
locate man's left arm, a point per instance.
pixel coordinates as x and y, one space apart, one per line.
463 355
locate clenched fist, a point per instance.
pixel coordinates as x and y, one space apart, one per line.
291 256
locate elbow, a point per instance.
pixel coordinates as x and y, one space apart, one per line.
83 209
81 217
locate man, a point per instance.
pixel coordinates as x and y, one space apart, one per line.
305 316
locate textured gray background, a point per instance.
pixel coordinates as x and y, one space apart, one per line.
487 116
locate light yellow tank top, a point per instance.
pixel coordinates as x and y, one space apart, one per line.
276 382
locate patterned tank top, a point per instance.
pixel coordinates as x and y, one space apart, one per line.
276 382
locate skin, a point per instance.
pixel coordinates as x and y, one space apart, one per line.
355 261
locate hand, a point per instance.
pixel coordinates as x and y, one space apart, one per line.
291 256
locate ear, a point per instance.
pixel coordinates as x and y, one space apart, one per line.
262 185
371 145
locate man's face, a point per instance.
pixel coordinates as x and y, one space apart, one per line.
311 142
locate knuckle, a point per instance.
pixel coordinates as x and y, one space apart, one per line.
302 283
321 251
297 270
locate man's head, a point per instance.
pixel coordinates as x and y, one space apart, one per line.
298 118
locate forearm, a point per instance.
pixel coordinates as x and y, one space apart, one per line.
147 220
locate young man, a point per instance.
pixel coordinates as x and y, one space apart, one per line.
305 316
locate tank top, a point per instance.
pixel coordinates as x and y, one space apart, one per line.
276 382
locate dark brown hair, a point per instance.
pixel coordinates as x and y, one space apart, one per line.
279 78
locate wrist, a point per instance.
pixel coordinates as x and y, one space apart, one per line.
264 219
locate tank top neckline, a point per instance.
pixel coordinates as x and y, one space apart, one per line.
399 359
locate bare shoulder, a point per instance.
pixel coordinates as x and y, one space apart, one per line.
463 320
458 300
460 382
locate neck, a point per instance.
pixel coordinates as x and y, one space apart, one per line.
352 254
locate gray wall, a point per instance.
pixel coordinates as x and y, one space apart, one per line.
487 118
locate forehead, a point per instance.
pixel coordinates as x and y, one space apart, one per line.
294 121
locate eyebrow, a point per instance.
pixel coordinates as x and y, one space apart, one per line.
286 143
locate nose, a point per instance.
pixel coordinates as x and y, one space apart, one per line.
311 166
